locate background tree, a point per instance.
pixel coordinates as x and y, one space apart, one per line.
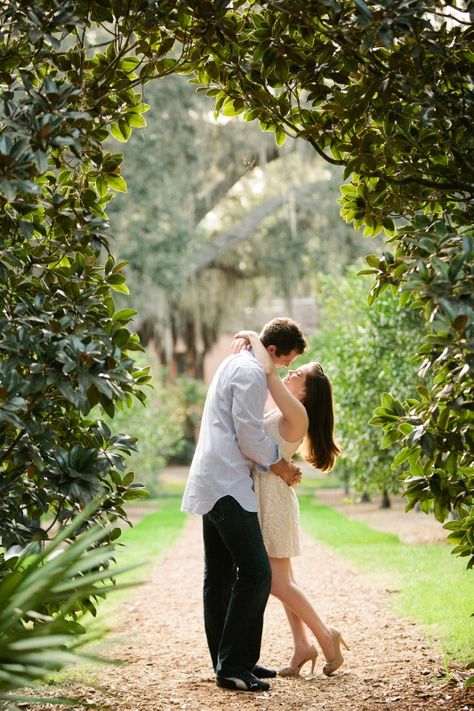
210 207
366 350
166 428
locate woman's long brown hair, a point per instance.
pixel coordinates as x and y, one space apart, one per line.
319 447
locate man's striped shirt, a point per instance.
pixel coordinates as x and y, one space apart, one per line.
232 439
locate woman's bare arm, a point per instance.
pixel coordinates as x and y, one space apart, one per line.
294 417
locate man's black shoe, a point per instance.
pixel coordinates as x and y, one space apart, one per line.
243 682
263 672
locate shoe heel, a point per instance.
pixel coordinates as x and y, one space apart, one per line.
333 664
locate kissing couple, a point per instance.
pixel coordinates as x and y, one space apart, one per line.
241 482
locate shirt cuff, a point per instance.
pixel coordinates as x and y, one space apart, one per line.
265 469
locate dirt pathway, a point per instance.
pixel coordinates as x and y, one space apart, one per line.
159 635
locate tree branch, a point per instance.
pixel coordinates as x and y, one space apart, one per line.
240 232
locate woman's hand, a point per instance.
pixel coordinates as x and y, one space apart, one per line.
251 339
248 336
240 342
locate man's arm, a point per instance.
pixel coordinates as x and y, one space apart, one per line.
249 393
288 471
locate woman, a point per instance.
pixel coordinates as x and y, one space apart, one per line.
303 415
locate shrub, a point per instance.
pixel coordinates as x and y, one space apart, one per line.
366 351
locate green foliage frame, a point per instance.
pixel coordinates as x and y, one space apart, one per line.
383 88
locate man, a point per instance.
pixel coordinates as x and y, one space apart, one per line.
232 441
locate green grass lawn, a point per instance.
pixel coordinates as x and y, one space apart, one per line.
430 586
318 480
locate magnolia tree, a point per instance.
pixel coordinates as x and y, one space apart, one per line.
380 88
384 89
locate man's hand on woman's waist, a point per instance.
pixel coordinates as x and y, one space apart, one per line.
288 471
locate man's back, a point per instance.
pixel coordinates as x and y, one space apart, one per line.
232 439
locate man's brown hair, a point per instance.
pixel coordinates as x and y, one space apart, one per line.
285 334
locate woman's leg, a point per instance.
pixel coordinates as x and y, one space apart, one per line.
301 639
300 612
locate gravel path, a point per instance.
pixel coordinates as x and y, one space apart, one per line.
159 635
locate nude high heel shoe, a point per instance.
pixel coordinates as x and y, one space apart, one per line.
311 656
334 663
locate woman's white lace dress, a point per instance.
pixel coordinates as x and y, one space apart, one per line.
279 512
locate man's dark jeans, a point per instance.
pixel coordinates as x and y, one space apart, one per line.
237 581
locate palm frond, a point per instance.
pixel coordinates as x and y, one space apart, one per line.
33 643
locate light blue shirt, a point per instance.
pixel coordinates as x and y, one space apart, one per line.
232 439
